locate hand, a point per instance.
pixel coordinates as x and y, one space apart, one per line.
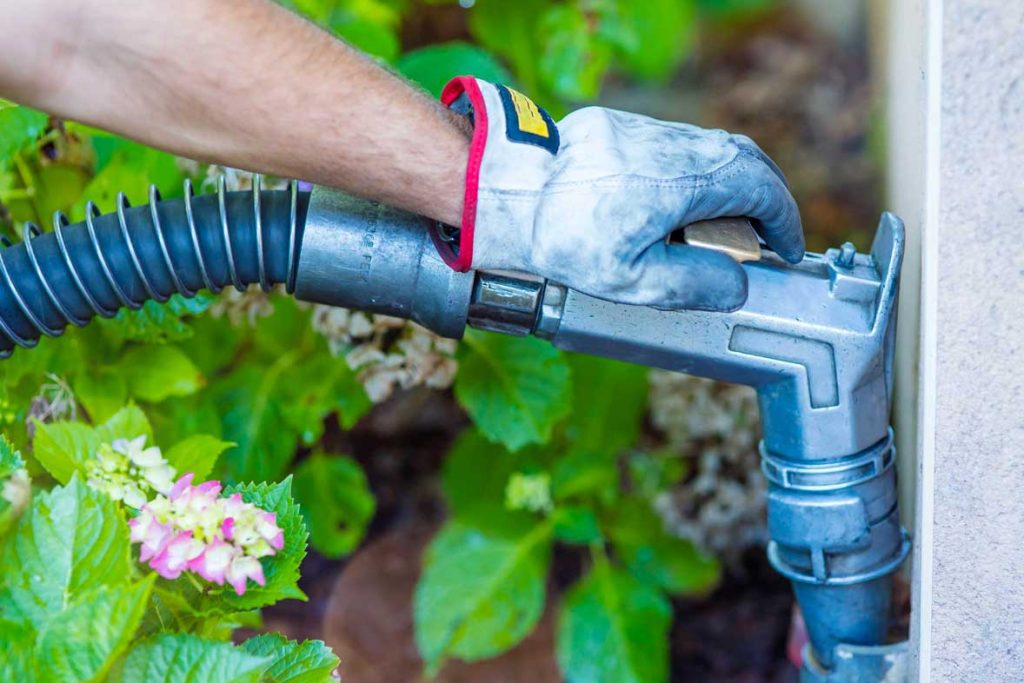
590 202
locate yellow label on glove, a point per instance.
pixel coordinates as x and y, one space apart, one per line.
527 123
528 115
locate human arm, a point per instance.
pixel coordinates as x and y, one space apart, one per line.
250 85
242 83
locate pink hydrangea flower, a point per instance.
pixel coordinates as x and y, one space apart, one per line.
194 529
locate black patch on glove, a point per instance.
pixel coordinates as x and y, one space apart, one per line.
526 122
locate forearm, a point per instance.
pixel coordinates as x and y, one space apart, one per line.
242 83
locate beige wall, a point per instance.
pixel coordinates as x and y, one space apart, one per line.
955 100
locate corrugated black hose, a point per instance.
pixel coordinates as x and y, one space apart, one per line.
134 254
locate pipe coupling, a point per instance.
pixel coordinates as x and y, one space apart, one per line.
835 523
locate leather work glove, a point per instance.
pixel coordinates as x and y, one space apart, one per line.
589 202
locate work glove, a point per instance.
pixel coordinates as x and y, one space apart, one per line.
590 202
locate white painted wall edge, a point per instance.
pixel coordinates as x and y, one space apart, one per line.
925 502
910 63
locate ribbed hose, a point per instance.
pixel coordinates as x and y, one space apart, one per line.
147 252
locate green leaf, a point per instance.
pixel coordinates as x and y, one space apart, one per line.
580 474
370 37
127 423
180 418
253 417
17 641
433 66
181 658
336 501
510 29
10 459
281 570
197 454
514 388
307 662
576 525
62 448
670 563
314 388
573 62
158 323
102 392
154 373
129 167
652 37
613 629
19 127
71 540
476 472
81 643
480 593
740 9
351 400
609 401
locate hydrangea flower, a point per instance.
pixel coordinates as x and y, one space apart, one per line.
193 528
128 471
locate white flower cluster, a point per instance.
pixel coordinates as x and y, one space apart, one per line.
128 471
388 353
721 505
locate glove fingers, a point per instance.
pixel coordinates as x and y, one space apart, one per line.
754 149
759 194
682 277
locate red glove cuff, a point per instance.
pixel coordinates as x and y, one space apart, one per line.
460 255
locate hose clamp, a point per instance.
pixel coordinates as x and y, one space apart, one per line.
831 476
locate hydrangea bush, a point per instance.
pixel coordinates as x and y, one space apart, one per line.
121 572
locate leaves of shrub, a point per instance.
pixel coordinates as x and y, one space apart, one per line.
476 472
197 454
82 642
433 66
19 127
336 502
71 540
480 593
613 629
181 658
252 417
576 524
574 60
154 373
673 564
307 662
609 400
509 29
10 459
63 448
514 388
158 323
16 642
651 37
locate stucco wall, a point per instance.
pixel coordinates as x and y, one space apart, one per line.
977 620
964 72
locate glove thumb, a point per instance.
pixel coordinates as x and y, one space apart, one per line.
673 276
